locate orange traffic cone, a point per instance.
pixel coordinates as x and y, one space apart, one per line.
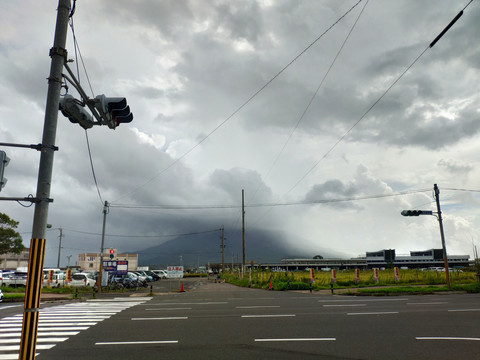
181 288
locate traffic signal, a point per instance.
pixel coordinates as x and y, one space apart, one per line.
114 110
112 253
4 160
416 212
75 112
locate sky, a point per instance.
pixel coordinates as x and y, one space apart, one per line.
331 116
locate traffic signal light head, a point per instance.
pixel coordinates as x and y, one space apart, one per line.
416 212
114 110
112 253
75 112
4 160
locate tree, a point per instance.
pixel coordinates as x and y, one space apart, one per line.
318 257
10 240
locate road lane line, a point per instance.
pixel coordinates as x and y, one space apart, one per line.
268 316
168 309
344 305
459 310
163 318
428 303
375 313
362 300
446 338
137 342
192 303
296 339
257 307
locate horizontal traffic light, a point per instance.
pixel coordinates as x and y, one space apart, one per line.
4 160
114 110
416 212
75 111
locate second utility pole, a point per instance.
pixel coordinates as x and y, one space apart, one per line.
243 231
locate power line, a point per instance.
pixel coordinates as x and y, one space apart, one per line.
77 47
307 202
143 236
377 101
242 105
314 95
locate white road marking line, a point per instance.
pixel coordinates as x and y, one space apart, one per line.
168 309
428 303
446 338
375 313
17 347
163 318
257 307
344 305
459 310
363 300
42 333
268 316
137 342
9 306
193 303
297 339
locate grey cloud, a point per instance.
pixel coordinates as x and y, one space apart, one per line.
455 167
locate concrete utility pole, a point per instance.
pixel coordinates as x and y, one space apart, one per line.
37 245
102 248
59 246
223 249
243 230
440 223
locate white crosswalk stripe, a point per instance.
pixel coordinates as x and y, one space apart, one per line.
58 323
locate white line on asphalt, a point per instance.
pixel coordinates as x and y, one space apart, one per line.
458 310
298 339
9 306
375 313
344 305
429 303
168 309
163 318
192 303
257 307
446 338
362 300
268 316
137 342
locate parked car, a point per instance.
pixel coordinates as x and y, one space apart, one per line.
82 279
128 280
144 273
162 273
14 279
58 280
154 276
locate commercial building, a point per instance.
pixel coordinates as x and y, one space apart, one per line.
377 259
13 261
91 261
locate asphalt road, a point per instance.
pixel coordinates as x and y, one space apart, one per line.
221 321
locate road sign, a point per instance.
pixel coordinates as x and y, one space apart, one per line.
117 266
175 272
